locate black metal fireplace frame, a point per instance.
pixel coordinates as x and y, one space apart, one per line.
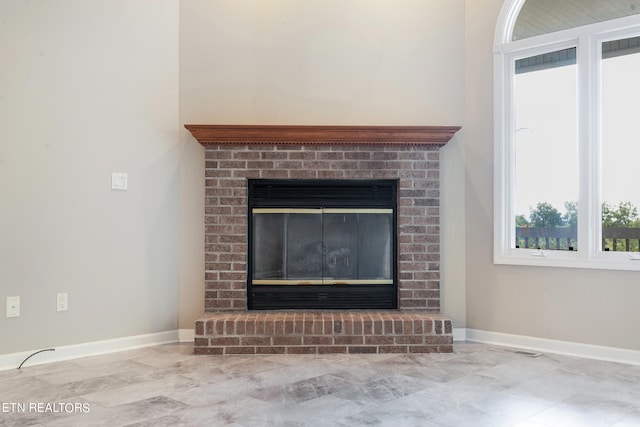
321 193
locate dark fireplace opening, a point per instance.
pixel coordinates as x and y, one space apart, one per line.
322 244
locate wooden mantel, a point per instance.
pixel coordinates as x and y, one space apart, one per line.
297 134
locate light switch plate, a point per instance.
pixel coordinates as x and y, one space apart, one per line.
119 181
13 306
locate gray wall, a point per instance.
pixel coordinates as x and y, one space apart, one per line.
88 88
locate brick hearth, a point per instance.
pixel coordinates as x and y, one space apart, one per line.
322 332
237 153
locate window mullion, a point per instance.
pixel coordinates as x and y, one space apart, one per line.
503 156
588 152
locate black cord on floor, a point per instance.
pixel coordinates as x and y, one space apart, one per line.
46 349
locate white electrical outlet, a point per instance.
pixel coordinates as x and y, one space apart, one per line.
13 306
62 302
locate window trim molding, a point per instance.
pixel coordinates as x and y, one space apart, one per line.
507 21
587 38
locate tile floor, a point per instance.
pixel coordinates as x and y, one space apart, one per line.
477 385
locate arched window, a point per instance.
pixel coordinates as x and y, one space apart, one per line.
567 143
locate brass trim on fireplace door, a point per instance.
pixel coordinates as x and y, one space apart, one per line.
287 282
322 282
358 282
320 211
326 280
285 210
357 210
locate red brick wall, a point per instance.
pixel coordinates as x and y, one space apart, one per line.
228 168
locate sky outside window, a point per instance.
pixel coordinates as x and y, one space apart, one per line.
620 133
546 144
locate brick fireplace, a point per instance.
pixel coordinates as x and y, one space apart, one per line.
236 154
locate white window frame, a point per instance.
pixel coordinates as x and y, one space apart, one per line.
588 41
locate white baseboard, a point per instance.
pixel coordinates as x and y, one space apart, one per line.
612 354
459 334
67 352
589 351
186 335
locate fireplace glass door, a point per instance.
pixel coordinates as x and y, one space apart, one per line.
326 246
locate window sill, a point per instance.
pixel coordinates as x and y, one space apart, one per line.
623 261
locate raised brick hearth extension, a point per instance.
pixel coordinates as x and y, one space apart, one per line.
313 332
237 153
